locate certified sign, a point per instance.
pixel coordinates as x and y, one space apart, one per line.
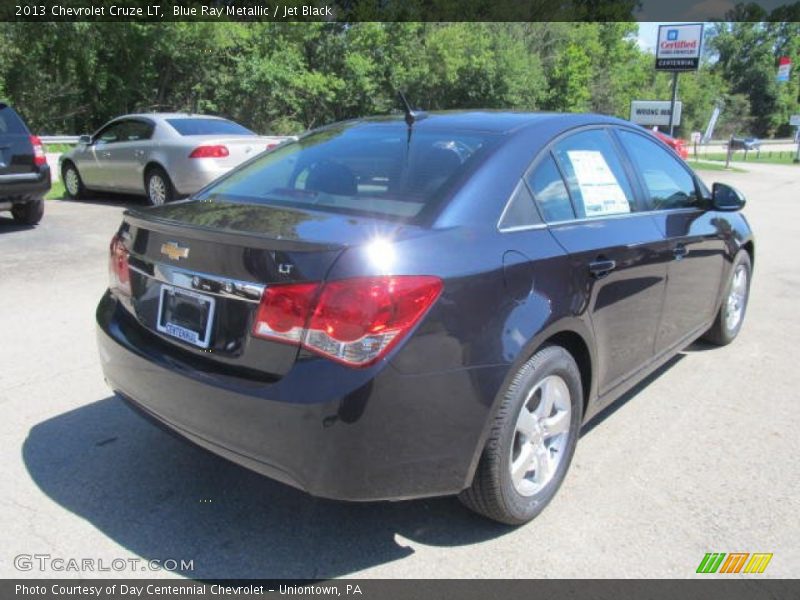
679 47
654 112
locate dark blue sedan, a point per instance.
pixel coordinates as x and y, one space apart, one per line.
390 308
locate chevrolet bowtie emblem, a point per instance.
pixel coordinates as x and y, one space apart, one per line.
174 251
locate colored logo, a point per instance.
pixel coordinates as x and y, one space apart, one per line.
734 562
672 35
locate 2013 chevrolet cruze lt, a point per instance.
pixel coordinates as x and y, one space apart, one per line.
391 308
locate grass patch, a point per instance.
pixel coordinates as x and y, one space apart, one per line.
57 191
704 165
772 157
58 148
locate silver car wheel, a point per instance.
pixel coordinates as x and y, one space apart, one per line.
156 190
71 181
541 435
737 298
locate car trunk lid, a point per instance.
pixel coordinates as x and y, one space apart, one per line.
201 267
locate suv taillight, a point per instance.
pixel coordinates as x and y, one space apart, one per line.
218 151
38 151
353 321
119 274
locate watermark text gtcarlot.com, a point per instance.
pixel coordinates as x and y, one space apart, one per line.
48 562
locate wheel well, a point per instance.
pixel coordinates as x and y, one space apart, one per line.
576 346
150 166
750 249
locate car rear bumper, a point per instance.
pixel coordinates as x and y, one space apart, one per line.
335 432
27 186
196 174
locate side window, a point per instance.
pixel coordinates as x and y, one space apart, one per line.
137 131
520 211
668 183
594 174
550 192
112 133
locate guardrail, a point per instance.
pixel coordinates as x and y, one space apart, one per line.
59 139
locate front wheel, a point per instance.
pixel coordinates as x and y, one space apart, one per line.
531 442
73 184
734 304
158 187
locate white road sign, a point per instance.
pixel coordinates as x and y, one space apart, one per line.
654 112
679 47
794 120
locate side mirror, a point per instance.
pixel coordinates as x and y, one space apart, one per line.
85 140
727 198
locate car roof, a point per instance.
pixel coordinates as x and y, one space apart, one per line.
167 115
489 121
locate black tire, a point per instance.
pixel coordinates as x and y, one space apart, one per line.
28 213
77 192
493 493
157 173
720 332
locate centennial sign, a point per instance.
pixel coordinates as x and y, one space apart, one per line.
679 47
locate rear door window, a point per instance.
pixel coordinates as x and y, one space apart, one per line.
595 175
136 131
669 184
10 123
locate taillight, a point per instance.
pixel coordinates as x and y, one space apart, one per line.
38 151
353 321
119 274
271 146
210 152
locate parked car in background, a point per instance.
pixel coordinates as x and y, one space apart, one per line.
381 310
163 156
24 174
677 144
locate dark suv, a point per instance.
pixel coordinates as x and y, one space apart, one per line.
24 174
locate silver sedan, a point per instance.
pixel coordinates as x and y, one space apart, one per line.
160 155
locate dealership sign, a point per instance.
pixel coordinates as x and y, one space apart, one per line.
654 112
678 47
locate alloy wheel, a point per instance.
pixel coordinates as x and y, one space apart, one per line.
541 435
737 298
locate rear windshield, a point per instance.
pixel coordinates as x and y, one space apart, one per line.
193 126
10 122
371 169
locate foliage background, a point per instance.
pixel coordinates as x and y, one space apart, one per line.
287 77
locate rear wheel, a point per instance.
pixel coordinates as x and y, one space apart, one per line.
158 187
28 213
73 184
734 305
532 440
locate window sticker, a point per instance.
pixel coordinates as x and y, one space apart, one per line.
602 194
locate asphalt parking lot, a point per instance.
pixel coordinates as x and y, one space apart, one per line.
703 457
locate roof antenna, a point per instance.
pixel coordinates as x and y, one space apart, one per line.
412 116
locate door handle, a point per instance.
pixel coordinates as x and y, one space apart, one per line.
679 252
106 154
602 267
138 152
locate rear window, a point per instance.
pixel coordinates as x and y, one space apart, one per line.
374 170
193 126
10 122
